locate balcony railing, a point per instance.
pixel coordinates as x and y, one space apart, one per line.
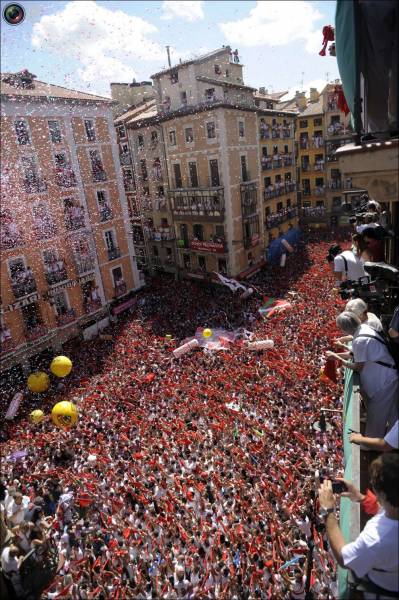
36 332
23 288
332 105
68 317
84 264
320 190
305 166
56 276
304 144
129 185
313 211
120 288
287 161
91 306
113 253
125 159
281 216
106 214
317 142
165 234
335 184
35 185
306 192
266 163
65 178
74 219
99 175
277 163
202 203
265 134
319 166
9 241
279 189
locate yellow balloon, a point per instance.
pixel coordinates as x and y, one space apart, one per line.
38 382
64 414
207 333
36 416
61 366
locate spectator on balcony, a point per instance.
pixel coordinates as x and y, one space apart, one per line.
386 444
17 509
373 239
378 373
349 264
358 307
264 128
373 556
5 334
236 56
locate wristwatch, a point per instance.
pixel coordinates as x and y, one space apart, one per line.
324 512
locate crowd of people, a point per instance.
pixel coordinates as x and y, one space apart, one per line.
194 477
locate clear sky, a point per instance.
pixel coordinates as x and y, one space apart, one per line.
87 44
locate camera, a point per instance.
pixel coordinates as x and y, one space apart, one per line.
338 487
13 13
379 288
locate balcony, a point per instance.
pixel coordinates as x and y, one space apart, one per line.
125 159
199 203
90 306
113 253
277 163
313 211
265 134
129 184
320 190
160 203
99 175
266 163
286 131
335 184
9 240
279 189
337 129
23 288
65 177
275 219
106 214
120 288
317 142
45 231
250 242
287 161
36 332
306 192
68 317
319 166
74 218
7 343
161 235
35 185
275 133
290 186
84 264
304 144
332 105
305 167
56 276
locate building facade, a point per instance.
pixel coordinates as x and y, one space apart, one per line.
67 258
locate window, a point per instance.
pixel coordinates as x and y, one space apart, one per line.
183 98
43 222
121 129
186 261
74 216
172 138
244 171
241 129
97 166
222 265
198 232
267 181
55 131
161 191
287 176
60 160
210 95
288 202
214 168
202 263
303 123
264 151
317 122
21 129
274 122
336 201
267 211
335 119
189 134
61 303
140 141
286 151
110 240
227 73
174 77
257 103
143 167
218 70
279 206
177 174
128 180
154 136
210 130
155 251
104 205
90 131
117 275
319 182
192 167
275 149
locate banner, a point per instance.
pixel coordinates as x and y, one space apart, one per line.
273 306
14 406
232 284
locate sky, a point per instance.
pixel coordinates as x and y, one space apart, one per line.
86 44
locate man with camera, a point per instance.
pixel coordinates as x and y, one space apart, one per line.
374 555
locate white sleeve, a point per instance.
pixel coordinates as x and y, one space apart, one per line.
361 349
360 556
392 437
339 266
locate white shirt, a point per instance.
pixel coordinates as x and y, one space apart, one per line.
355 265
392 437
374 322
376 552
373 377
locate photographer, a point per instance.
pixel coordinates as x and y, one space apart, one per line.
373 556
378 374
349 264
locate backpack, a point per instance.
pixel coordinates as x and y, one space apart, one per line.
392 348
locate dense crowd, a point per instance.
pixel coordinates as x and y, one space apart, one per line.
162 490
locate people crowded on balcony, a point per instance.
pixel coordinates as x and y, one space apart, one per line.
264 129
318 141
348 265
10 236
54 269
74 214
313 211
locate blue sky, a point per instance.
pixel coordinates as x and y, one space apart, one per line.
87 44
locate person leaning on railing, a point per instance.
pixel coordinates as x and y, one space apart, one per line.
387 444
373 556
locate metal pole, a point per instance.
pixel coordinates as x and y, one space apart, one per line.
168 53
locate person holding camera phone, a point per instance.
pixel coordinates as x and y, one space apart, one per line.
373 556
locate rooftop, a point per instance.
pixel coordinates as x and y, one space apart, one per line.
194 61
145 110
25 84
223 82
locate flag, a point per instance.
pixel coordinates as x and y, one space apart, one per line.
290 562
232 284
273 306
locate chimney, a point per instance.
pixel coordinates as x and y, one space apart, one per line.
262 90
300 100
314 95
168 53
